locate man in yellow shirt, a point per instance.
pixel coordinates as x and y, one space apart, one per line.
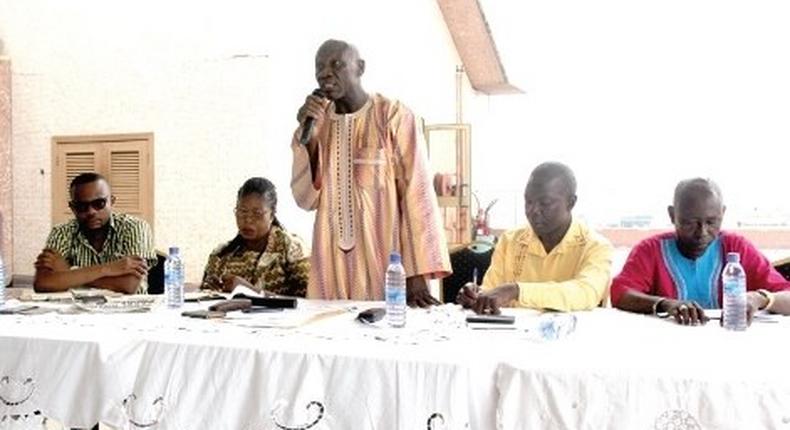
554 263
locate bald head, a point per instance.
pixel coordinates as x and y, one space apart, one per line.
338 70
340 46
551 170
696 189
697 213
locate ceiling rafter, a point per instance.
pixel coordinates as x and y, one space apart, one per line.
475 45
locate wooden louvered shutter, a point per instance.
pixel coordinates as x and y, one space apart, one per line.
125 160
69 161
125 163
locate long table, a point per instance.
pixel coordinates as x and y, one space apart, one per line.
159 370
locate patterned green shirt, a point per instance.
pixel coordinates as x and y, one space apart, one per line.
282 268
128 236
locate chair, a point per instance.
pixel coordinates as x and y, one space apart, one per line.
783 267
156 276
464 260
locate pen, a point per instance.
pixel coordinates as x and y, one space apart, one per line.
474 280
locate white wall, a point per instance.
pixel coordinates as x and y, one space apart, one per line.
633 95
218 83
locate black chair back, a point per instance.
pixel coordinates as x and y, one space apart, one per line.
156 275
783 267
464 261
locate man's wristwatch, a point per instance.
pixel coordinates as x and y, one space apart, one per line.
769 297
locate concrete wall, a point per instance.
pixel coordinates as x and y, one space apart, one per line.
218 83
6 186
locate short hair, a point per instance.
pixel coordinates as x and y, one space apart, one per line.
85 178
702 186
553 169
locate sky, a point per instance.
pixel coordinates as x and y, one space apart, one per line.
638 95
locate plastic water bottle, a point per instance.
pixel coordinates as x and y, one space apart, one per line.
2 282
733 280
174 279
395 291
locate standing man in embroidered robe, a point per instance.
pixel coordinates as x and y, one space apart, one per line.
364 170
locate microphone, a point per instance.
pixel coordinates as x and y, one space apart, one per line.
309 122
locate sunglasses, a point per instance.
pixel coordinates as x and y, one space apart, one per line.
96 204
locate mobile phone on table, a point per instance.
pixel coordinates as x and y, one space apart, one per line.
270 301
203 314
491 319
231 305
369 316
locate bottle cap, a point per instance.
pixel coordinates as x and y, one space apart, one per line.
394 257
174 250
733 257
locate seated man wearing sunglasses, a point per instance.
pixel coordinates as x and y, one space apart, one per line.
98 248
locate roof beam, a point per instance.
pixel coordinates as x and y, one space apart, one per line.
475 45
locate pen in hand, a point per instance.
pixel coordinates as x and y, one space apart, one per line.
474 281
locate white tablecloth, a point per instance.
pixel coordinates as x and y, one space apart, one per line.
625 371
162 371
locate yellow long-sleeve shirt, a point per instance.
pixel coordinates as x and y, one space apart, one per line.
573 276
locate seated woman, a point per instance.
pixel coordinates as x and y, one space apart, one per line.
262 256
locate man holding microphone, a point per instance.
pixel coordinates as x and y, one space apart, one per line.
360 162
